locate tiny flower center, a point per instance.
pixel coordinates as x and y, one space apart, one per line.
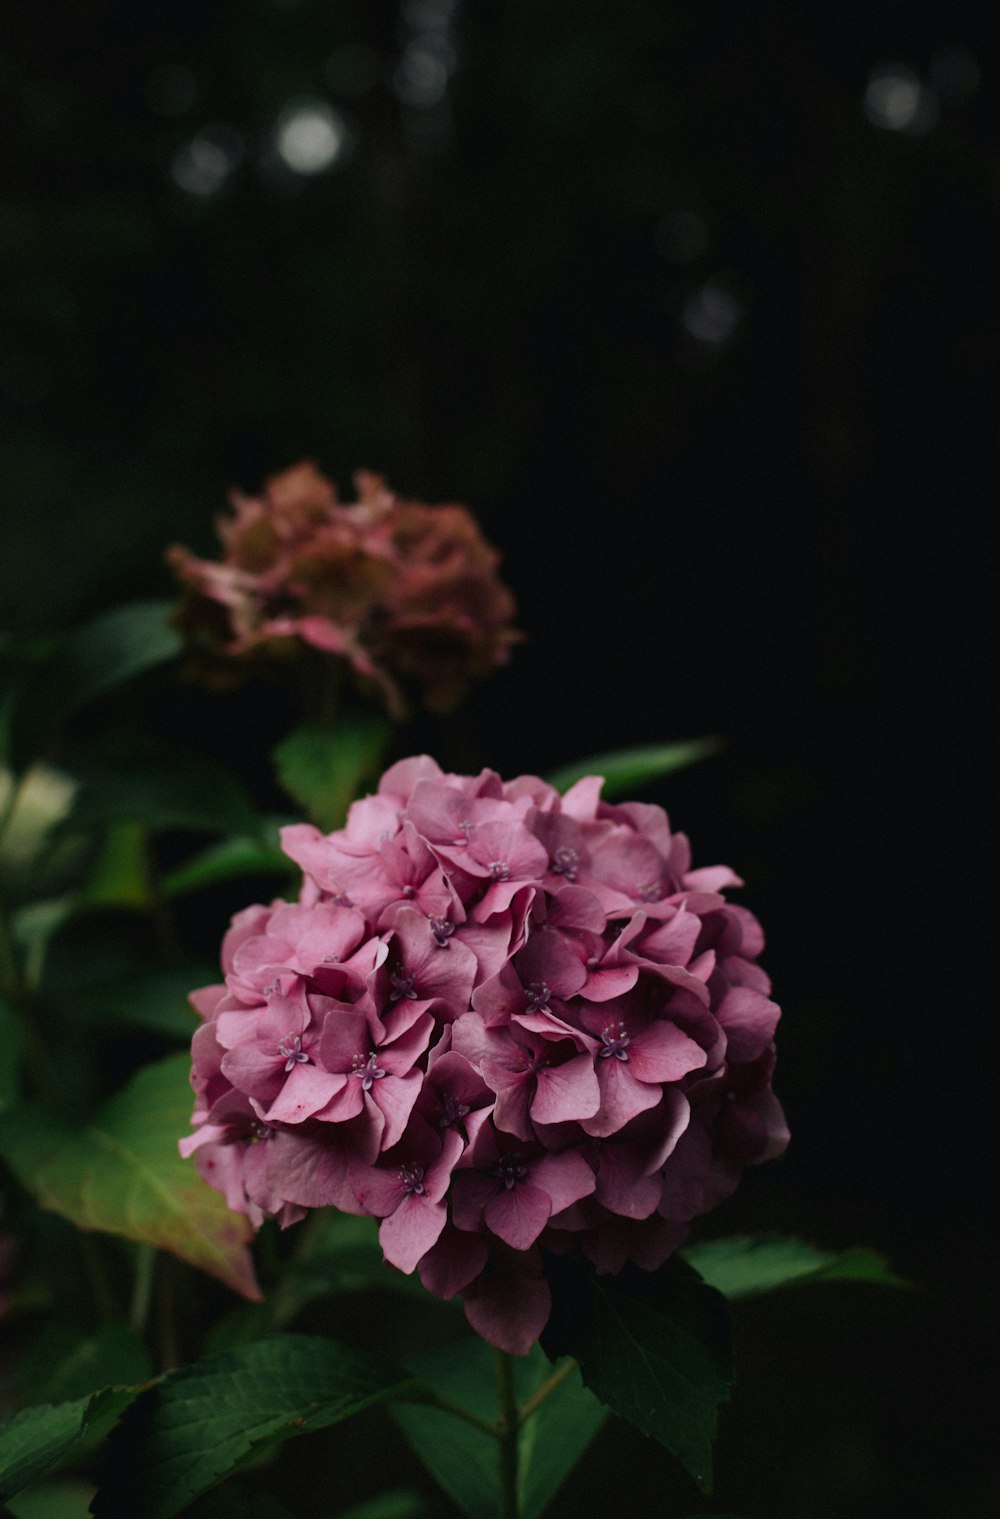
367 1071
565 863
402 985
412 1178
409 891
291 1051
615 1041
499 870
463 834
648 891
259 1131
510 1170
538 995
451 1111
442 930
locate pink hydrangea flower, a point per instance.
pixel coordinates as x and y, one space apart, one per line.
498 1020
407 595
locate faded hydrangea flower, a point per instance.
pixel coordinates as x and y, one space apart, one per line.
534 1026
407 595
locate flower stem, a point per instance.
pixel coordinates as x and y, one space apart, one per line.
507 1427
142 1287
458 1412
547 1388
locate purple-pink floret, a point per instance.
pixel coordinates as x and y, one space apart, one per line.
500 1021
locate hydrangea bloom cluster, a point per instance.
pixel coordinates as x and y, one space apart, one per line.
403 592
497 1019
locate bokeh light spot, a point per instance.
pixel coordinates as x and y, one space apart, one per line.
310 136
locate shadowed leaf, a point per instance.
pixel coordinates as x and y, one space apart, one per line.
122 1174
463 1459
190 1431
36 1438
653 1346
324 771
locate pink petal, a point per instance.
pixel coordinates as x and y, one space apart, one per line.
509 1308
567 1091
749 1021
407 1234
395 1096
622 1097
662 1052
453 1262
566 1178
518 1214
305 1091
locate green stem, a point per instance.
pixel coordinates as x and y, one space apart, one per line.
546 1390
166 1317
142 1287
458 1412
506 1432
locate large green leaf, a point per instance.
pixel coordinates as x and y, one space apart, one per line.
61 1363
325 769
398 1504
176 791
155 1000
190 1431
653 1346
33 1439
62 1498
626 769
464 1459
122 1174
115 647
242 855
749 1265
36 1438
103 654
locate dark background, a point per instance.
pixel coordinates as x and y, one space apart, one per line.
697 307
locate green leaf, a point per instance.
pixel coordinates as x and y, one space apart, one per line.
121 874
36 1438
156 1000
399 1504
324 771
236 1502
61 1364
66 1498
193 1429
653 1346
243 855
115 647
123 1174
626 769
749 1265
464 1459
180 791
34 927
103 654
